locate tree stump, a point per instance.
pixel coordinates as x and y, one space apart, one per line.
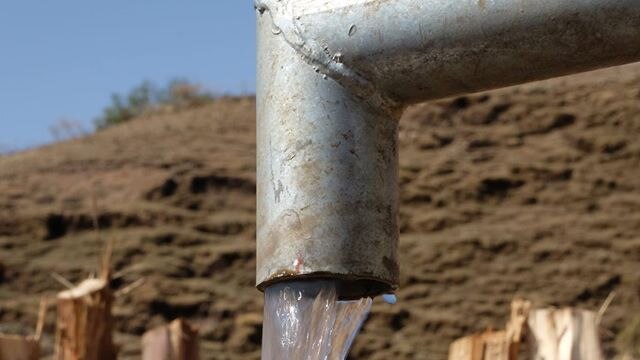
19 348
85 323
564 334
176 341
494 345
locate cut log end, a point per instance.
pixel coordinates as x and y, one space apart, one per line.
87 287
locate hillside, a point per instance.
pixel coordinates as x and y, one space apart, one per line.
532 190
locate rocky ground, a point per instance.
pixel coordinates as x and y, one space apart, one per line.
529 191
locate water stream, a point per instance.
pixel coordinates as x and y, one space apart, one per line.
305 321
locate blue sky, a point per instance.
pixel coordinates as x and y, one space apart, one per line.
64 58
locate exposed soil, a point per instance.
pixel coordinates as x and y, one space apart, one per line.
530 191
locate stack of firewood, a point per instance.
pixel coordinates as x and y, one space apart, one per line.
549 333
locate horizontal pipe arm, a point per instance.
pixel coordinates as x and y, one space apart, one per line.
414 50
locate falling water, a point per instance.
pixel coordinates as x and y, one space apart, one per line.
304 320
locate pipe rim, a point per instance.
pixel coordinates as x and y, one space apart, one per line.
349 287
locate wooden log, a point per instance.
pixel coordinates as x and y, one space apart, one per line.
564 334
14 347
84 324
176 341
517 325
490 345
494 345
467 348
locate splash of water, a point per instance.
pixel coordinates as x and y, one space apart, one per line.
304 320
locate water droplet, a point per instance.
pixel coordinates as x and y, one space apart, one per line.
275 30
390 298
337 57
352 30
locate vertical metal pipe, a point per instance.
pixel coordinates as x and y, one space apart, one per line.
327 177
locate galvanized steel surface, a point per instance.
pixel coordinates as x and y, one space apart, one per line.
333 78
327 177
414 50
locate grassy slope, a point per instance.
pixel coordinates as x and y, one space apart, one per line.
532 191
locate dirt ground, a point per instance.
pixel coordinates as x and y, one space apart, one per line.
531 191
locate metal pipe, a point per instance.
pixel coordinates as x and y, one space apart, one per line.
327 177
415 50
333 79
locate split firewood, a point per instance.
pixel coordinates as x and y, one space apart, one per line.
85 324
517 326
176 341
494 345
14 347
564 334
